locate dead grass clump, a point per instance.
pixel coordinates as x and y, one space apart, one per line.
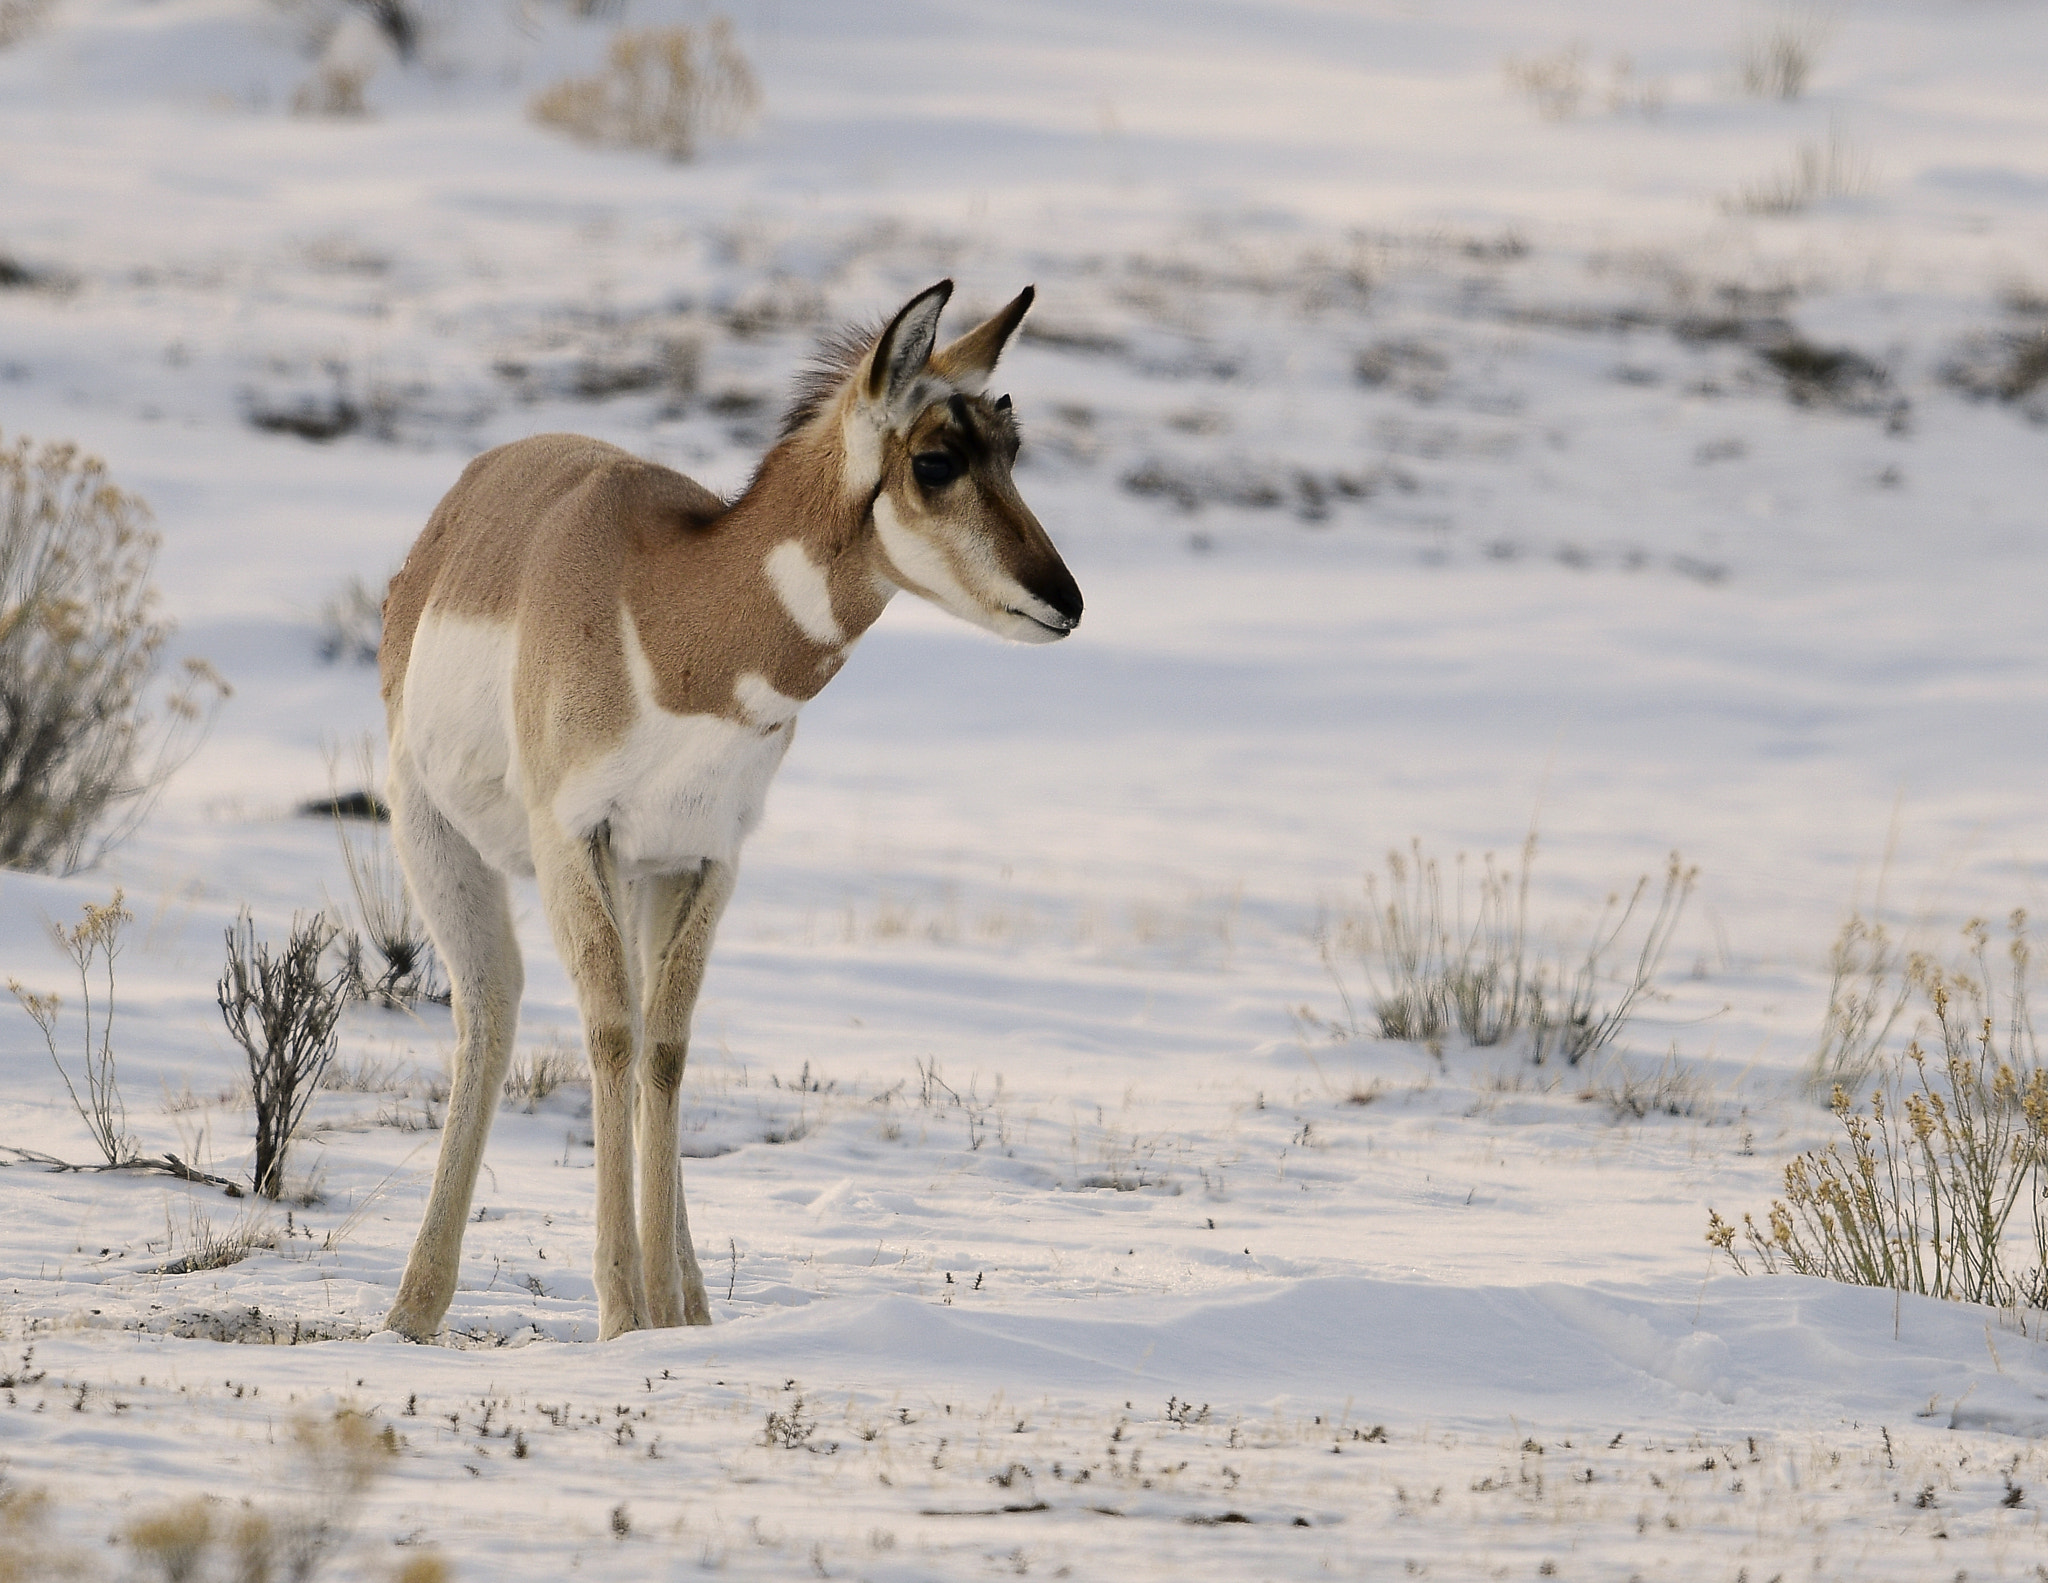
367 1075
1819 172
1671 1090
1554 83
81 761
661 89
1835 376
1245 486
1479 971
535 1074
2008 366
406 1114
207 1249
351 623
318 418
1628 94
27 1552
1777 61
406 970
339 1457
1416 369
334 90
19 18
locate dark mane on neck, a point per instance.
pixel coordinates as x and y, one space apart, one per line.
837 356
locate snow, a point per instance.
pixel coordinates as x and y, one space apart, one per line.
1414 494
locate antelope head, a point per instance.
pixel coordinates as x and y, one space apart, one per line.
949 526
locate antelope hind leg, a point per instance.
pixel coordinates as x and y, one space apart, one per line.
469 915
675 918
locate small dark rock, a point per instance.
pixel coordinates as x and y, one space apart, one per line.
348 805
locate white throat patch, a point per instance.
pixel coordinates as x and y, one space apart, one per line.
925 564
800 585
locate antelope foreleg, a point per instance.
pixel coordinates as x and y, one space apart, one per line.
578 890
678 917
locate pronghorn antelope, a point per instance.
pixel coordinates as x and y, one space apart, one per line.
591 669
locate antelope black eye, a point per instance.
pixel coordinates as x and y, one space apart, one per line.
935 468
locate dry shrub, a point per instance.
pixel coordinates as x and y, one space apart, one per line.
197 1541
335 89
1777 61
92 943
175 1540
1554 83
19 18
1921 1192
27 1552
282 1010
662 88
1869 983
81 761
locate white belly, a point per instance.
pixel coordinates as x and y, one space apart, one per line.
679 789
676 790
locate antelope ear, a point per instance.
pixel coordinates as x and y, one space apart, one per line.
906 346
969 361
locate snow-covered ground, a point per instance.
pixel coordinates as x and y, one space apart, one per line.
1422 464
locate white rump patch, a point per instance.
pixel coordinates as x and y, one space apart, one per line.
800 585
762 702
457 728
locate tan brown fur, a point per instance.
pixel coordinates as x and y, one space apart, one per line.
659 638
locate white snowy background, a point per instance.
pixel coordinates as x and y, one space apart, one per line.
1415 455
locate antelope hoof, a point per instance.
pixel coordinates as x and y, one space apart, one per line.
410 1324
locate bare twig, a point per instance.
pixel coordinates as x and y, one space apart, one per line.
283 1014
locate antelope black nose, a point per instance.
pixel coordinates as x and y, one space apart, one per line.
1058 589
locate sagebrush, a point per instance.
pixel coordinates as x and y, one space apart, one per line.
1870 980
1939 1184
662 88
81 758
19 18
